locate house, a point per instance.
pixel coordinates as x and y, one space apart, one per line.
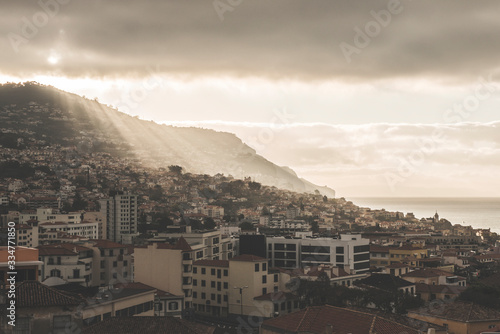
459 316
434 277
387 282
27 264
331 319
431 292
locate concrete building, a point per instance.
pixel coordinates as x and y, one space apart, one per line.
27 264
112 262
120 214
350 252
70 262
27 235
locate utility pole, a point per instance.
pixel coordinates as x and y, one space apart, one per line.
241 296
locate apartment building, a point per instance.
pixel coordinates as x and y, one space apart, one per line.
112 262
169 267
70 262
350 252
26 235
120 214
241 285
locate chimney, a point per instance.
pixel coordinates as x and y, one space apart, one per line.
431 331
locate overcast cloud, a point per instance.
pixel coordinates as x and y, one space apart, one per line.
445 40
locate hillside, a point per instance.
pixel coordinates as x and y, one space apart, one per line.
70 120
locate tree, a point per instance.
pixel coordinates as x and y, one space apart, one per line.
254 185
314 226
175 169
246 226
325 199
209 224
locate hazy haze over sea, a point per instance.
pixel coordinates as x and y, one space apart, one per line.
478 212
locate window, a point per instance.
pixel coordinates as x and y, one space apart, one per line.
203 271
173 306
226 272
195 270
225 298
339 258
264 279
339 250
51 261
264 291
60 322
226 286
102 276
115 264
195 294
76 273
256 267
203 295
212 296
219 274
111 252
203 282
55 273
103 264
219 299
264 266
125 263
212 271
212 284
275 277
219 286
195 282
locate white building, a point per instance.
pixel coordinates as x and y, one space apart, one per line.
350 252
120 212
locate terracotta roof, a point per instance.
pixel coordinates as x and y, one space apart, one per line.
51 250
23 227
316 319
384 281
460 311
141 325
279 296
35 294
103 243
133 285
248 258
428 272
397 265
212 263
182 244
379 249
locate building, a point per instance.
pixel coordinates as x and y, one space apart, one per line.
70 262
350 252
379 256
434 277
330 319
431 292
459 317
120 214
405 252
27 264
211 287
112 262
27 235
388 283
50 215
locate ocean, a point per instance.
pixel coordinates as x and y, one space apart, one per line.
478 212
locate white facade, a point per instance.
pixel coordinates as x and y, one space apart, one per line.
350 252
120 213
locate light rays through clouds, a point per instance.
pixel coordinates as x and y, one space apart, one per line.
416 74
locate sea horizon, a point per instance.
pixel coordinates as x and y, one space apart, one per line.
478 212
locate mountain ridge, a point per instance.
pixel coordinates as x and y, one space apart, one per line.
68 119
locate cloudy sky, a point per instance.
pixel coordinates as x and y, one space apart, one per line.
372 98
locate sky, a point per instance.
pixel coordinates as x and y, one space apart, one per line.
371 98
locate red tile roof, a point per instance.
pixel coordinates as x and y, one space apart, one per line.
182 244
103 243
35 294
141 325
212 263
317 319
248 258
460 311
427 272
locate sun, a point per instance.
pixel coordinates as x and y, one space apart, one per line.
53 59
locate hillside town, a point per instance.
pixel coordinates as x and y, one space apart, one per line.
104 241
